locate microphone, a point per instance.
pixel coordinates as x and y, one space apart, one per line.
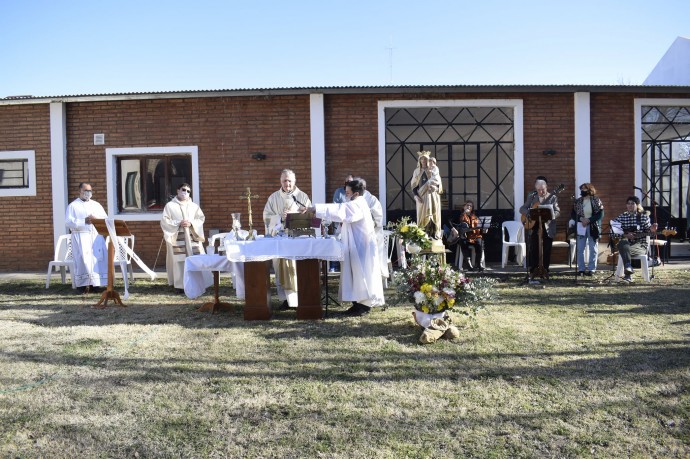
295 199
533 193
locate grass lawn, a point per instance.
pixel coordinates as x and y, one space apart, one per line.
568 370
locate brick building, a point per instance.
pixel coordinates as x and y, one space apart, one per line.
490 141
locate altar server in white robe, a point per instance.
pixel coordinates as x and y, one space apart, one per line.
377 215
88 247
288 199
360 274
179 214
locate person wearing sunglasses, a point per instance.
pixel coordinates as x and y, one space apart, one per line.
183 229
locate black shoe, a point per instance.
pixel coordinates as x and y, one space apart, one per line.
580 273
588 273
357 310
284 306
81 290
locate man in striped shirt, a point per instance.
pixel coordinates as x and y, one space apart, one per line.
636 228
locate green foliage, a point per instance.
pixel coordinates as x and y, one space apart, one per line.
410 233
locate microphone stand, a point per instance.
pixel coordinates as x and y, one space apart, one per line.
577 245
528 240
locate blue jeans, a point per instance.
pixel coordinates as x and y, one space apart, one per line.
592 244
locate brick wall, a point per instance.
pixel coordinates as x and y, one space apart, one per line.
26 239
227 130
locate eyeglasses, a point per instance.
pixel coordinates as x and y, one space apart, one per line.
186 189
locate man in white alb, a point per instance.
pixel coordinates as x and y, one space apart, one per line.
360 276
183 228
88 247
288 199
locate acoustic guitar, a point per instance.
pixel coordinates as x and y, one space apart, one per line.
526 221
463 228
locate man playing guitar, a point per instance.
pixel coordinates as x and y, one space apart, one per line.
469 237
541 196
636 226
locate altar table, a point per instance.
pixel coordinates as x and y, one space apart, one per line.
257 255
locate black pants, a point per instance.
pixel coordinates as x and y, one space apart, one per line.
547 242
478 245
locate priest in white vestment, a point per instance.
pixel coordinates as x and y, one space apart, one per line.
286 200
88 247
183 230
360 274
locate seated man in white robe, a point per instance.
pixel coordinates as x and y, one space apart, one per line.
88 247
360 274
288 199
183 229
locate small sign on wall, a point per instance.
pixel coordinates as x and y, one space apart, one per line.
99 139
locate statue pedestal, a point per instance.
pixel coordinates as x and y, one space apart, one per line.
437 246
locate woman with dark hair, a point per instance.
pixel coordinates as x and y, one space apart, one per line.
588 211
469 238
360 273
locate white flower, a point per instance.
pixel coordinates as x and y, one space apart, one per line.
419 297
438 300
450 293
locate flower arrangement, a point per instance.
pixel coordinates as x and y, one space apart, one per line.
434 289
410 233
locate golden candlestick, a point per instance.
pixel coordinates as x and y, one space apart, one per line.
249 197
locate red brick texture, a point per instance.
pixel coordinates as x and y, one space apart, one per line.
26 239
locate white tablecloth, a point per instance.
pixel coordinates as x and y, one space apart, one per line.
300 248
198 277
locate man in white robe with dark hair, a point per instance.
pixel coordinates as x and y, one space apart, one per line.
88 247
360 274
179 214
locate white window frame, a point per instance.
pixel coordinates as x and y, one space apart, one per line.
111 156
29 155
639 103
518 129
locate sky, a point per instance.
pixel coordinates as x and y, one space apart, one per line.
75 47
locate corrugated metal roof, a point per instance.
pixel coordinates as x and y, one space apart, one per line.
404 89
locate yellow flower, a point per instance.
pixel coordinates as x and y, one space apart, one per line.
450 302
425 309
404 229
425 288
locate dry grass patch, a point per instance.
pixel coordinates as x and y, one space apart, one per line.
588 370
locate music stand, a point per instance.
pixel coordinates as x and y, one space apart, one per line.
120 230
539 214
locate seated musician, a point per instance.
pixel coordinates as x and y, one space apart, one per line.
469 237
636 227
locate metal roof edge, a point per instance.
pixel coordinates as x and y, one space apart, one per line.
334 90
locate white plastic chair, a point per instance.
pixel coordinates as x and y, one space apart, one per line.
484 222
211 249
123 259
388 252
570 245
516 238
644 265
62 259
